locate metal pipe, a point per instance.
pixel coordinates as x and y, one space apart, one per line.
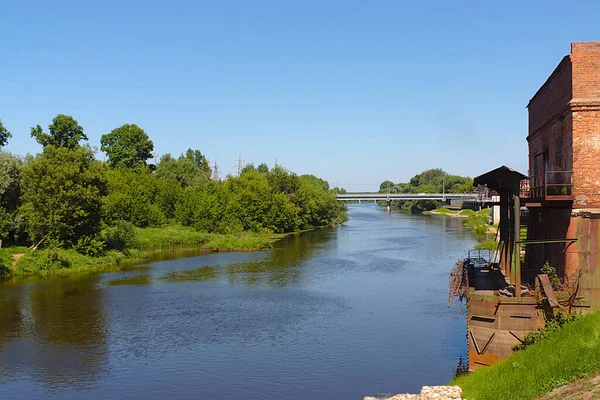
516 249
526 242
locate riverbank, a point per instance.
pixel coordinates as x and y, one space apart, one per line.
569 356
46 262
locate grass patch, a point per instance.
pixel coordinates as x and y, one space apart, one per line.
570 353
489 244
479 222
46 262
442 210
170 234
175 235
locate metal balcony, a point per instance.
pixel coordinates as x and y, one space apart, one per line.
549 186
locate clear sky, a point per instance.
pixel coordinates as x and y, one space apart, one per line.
355 92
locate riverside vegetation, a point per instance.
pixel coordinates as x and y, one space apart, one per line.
431 181
565 354
85 214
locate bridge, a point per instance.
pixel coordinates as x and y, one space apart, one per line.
410 196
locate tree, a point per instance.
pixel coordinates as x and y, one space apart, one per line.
11 222
127 146
263 168
4 135
386 185
182 170
133 197
200 160
62 195
65 131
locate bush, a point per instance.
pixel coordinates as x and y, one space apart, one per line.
551 326
552 276
45 260
121 236
92 246
5 263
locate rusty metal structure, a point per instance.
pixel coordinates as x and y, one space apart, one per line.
505 301
508 295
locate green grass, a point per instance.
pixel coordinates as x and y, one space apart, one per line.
176 235
489 244
478 222
173 234
442 210
568 354
48 262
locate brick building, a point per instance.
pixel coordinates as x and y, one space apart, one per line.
564 169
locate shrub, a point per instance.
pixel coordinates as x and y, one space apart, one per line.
551 326
121 236
90 246
551 272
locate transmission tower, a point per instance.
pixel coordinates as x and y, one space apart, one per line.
239 166
216 172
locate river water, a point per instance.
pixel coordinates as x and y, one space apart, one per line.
337 313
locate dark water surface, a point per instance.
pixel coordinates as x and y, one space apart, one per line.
337 313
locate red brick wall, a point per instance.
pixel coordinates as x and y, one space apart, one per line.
585 57
586 157
552 97
564 119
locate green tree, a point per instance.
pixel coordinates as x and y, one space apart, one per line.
182 170
385 186
133 197
4 135
200 160
281 180
62 195
208 208
65 131
11 222
263 168
127 146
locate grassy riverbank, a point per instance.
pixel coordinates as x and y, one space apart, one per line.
567 355
45 262
478 221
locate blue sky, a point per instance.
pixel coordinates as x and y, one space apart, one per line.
355 92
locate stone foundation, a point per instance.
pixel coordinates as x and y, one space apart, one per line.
427 393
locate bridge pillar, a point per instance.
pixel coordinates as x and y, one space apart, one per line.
389 206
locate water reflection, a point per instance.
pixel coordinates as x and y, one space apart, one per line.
335 313
54 331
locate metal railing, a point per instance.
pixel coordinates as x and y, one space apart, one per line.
549 185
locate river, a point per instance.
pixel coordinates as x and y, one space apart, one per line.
336 313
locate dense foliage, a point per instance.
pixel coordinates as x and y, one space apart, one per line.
68 199
430 181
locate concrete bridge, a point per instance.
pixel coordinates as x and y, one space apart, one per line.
409 196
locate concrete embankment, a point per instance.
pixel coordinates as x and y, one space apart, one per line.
427 393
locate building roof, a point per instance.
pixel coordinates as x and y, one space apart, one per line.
500 178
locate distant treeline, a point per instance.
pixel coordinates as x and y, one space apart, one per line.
430 181
69 199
